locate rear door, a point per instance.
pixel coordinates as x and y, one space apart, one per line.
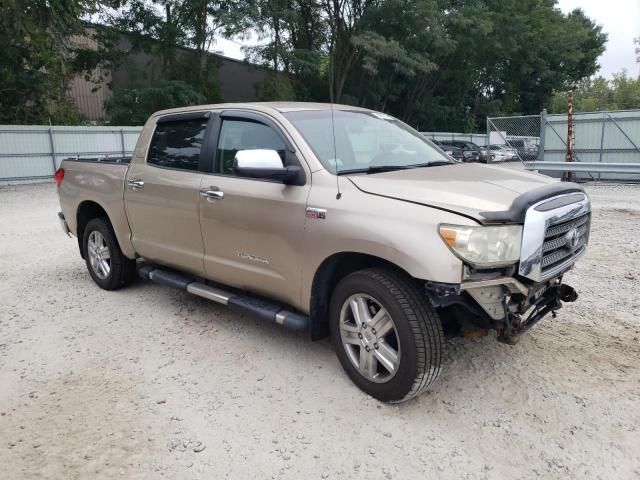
253 232
162 193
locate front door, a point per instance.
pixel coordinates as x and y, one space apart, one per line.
162 194
253 229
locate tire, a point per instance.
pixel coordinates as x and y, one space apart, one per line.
111 270
416 337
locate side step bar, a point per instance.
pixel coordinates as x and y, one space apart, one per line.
258 307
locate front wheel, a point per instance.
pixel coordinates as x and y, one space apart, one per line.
106 263
387 336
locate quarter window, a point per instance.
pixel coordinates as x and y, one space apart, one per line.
244 135
177 144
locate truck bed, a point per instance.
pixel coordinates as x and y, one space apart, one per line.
109 160
96 182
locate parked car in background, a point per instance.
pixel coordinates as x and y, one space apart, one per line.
474 152
503 153
455 152
526 150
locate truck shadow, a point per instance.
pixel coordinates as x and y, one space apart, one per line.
480 368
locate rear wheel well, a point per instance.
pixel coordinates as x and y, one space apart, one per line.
331 271
87 211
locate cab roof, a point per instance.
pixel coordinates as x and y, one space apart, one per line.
281 107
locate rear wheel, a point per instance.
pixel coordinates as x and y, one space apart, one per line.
387 336
106 263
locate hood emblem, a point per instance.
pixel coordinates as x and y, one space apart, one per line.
572 238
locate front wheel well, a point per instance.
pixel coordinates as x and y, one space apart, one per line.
87 211
331 271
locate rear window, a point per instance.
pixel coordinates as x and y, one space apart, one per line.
177 144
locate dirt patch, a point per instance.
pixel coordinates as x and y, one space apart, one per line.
149 382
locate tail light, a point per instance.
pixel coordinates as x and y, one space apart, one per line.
59 176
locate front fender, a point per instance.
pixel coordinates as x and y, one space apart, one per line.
399 232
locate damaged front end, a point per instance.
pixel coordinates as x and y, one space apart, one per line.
512 299
503 303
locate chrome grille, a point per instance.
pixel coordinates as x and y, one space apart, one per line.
559 241
557 248
554 235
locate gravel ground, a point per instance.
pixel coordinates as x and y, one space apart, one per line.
149 382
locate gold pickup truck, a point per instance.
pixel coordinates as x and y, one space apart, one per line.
332 219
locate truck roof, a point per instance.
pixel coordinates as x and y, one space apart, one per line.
263 106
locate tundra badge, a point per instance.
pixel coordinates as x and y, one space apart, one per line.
316 212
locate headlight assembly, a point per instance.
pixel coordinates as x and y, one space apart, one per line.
484 246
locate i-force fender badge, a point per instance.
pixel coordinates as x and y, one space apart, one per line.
313 212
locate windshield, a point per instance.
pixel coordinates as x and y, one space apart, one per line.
364 141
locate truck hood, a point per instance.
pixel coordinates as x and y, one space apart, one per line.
468 188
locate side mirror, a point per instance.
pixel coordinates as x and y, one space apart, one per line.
264 164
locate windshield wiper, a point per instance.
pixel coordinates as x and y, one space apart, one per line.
391 168
437 163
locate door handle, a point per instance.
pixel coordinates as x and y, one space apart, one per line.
135 184
212 192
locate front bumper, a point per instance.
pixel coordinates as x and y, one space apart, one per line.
514 307
63 224
504 303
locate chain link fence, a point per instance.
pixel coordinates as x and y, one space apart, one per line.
599 138
519 136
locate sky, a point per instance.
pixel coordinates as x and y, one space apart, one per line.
619 18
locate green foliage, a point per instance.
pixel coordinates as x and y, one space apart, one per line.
38 58
133 106
438 64
594 94
275 87
294 36
177 36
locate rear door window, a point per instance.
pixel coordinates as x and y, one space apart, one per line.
177 144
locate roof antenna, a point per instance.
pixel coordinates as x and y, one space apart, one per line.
335 152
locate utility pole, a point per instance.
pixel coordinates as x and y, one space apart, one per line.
568 176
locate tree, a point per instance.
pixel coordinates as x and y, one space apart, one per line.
133 106
297 34
437 64
39 54
593 94
180 33
441 64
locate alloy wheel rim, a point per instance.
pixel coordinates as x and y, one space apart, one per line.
99 255
370 338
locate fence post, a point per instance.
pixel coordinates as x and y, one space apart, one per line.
122 142
53 150
488 141
543 128
604 123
